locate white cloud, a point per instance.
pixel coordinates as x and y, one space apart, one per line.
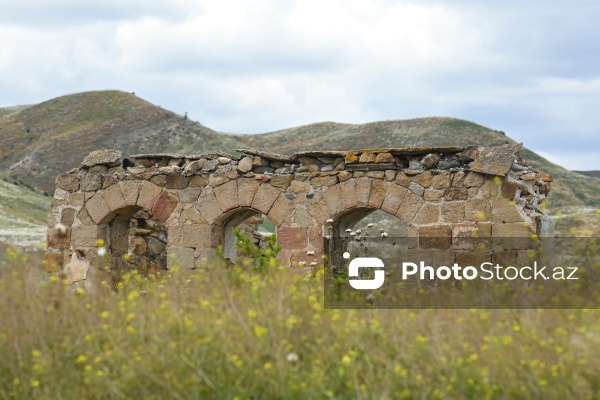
530 70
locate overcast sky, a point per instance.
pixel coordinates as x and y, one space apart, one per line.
529 68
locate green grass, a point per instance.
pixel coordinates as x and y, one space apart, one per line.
21 205
230 333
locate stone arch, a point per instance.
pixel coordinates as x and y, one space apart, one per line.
373 194
222 231
338 237
133 239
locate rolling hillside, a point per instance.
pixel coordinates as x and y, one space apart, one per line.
47 139
41 141
23 213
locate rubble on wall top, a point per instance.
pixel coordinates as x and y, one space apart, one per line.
409 151
209 156
320 153
496 160
267 155
110 158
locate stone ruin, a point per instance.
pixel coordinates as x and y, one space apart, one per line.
152 211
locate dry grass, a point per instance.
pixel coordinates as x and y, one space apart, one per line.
227 333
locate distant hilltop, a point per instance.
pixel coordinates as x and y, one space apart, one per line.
593 173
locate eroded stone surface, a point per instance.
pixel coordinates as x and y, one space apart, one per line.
110 158
496 160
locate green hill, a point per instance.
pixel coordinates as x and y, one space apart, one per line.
47 139
23 212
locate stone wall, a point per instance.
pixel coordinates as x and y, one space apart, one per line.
153 211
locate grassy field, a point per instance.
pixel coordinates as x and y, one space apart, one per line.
231 333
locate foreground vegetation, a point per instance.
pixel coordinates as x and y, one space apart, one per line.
234 333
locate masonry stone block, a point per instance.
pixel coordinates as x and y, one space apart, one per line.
165 205
458 179
227 196
471 237
67 216
454 193
84 217
428 214
393 198
390 175
299 187
478 210
245 164
512 236
175 235
349 193
208 206
324 181
292 238
265 197
114 198
282 181
333 199
402 179
435 237
180 257
453 212
509 189
159 180
108 181
176 181
424 179
505 258
376 174
58 238
97 207
77 269
490 187
91 182
77 199
197 236
362 191
433 194
68 182
504 210
378 191
190 195
149 192
301 217
409 207
198 181
473 179
247 189
282 209
84 237
191 216
131 191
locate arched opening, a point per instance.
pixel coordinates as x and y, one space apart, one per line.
365 232
134 240
251 223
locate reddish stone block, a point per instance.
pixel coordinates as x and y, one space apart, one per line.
164 206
